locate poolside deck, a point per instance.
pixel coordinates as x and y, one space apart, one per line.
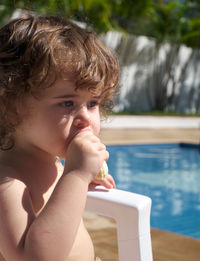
166 246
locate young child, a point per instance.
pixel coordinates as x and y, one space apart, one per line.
55 80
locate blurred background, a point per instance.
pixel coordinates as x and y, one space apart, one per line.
157 44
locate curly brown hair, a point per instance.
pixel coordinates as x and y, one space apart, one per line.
33 48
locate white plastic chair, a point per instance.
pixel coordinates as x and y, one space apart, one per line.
132 214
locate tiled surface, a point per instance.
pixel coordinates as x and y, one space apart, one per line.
143 122
127 136
166 246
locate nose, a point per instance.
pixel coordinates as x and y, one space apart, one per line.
82 117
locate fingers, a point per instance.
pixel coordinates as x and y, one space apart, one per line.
88 142
108 182
86 154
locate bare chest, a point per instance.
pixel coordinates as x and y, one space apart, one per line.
41 191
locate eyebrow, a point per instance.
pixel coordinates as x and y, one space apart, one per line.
67 96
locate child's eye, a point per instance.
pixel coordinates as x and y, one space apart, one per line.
67 103
93 104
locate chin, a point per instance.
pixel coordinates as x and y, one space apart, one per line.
62 155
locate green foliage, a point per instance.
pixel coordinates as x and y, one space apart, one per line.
155 113
103 15
175 21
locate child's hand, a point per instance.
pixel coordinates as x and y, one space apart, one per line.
107 182
85 155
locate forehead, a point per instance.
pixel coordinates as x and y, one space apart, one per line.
60 86
67 87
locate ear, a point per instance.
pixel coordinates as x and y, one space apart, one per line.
15 112
21 106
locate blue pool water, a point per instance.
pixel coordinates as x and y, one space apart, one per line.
170 175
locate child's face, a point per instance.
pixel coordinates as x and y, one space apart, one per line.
54 119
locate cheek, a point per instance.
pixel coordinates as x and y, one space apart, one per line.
61 126
96 125
54 128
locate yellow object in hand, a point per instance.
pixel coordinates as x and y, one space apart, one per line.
103 172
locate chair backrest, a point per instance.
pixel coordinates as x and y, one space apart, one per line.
132 214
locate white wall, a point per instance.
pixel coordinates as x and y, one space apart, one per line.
168 75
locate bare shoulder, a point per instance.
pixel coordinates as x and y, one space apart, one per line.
11 188
8 179
16 213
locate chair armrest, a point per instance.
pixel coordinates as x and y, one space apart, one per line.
132 214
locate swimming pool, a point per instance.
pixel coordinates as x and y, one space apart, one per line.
169 174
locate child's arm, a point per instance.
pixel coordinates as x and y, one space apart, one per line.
51 235
16 215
